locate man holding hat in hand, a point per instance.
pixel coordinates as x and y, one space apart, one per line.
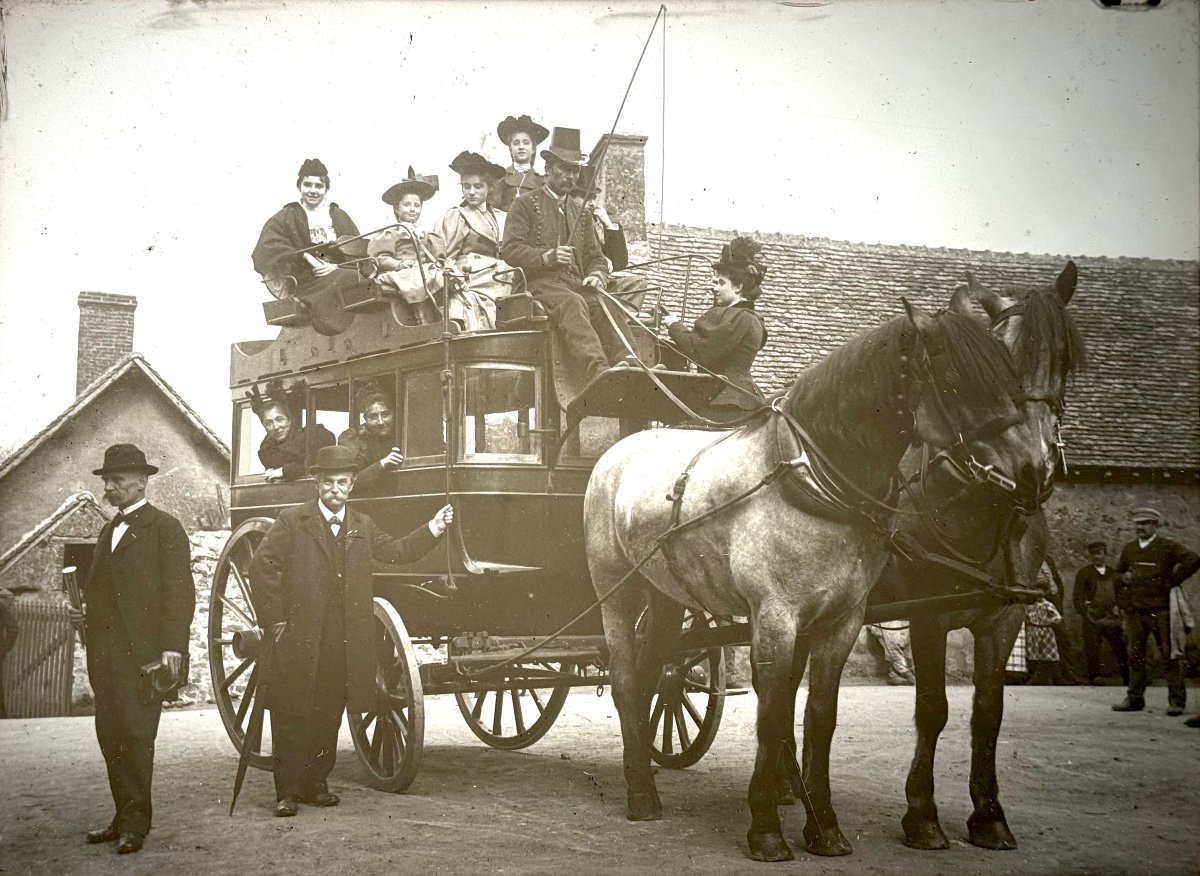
1150 568
312 584
139 599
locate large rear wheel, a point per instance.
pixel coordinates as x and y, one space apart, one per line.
685 711
390 736
235 680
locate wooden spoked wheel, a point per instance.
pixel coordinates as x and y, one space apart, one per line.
685 711
390 737
235 680
517 712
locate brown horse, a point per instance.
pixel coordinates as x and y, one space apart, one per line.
1046 347
798 563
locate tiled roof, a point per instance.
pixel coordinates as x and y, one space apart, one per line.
1137 406
35 536
134 361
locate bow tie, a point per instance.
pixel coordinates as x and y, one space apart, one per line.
335 523
121 517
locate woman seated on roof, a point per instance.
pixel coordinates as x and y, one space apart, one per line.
299 242
374 442
727 336
469 238
521 137
285 451
406 265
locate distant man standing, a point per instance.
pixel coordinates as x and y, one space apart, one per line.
1150 567
313 589
1095 601
139 599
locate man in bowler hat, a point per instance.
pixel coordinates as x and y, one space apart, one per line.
312 587
1150 567
139 598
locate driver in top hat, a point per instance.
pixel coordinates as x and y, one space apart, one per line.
549 236
1151 568
139 599
312 578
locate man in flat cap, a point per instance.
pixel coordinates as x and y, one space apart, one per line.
313 590
550 237
1095 601
139 598
1150 568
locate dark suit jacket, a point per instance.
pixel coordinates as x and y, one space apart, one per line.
1156 568
150 574
294 575
537 223
1094 597
725 340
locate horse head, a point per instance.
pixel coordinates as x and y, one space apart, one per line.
1046 348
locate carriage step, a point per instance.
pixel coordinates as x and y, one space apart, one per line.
541 655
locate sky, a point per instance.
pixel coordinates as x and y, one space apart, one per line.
145 143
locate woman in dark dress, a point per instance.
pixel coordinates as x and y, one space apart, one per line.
727 337
302 225
374 443
284 451
521 137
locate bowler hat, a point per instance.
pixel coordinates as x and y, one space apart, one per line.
1146 514
124 457
472 162
421 186
510 126
564 147
335 457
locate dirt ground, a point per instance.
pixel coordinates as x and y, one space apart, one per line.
1087 790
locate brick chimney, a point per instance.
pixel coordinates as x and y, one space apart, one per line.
622 182
105 334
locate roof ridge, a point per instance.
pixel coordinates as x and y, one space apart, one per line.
31 538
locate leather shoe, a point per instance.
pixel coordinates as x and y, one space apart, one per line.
103 835
128 843
285 808
1174 711
1128 705
321 798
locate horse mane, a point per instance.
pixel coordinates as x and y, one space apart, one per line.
1047 325
844 395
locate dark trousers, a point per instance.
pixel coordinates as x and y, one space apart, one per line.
576 313
126 729
1139 627
305 743
1094 636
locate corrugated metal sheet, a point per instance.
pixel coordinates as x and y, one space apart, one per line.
37 671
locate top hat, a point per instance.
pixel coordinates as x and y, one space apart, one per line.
420 185
335 457
472 162
1146 514
511 126
312 167
124 457
564 147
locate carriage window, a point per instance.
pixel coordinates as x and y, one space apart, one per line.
424 431
331 408
250 434
594 436
499 413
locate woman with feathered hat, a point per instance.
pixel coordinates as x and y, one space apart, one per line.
521 136
300 240
727 336
469 237
405 263
284 449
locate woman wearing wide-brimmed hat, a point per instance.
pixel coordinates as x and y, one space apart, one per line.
402 254
469 237
727 336
521 136
300 241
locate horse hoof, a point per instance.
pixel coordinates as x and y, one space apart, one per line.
769 847
644 806
926 836
991 834
827 843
